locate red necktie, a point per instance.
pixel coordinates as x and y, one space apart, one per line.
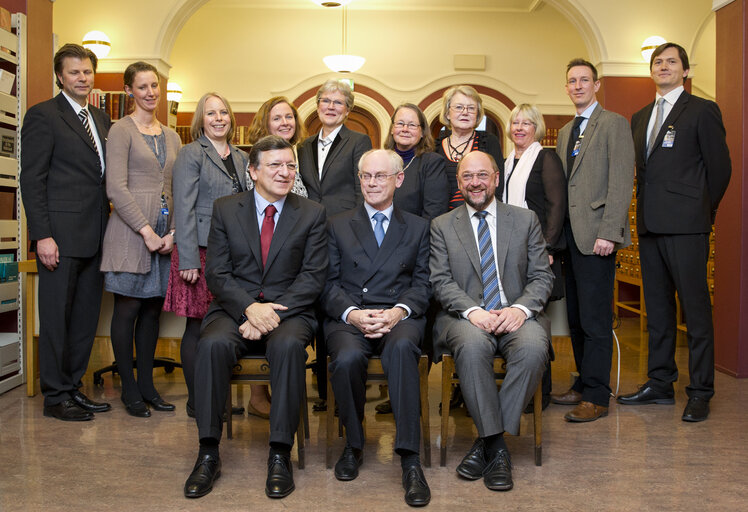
266 234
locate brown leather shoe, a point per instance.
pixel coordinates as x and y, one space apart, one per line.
571 397
586 411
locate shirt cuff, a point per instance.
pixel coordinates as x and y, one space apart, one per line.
467 312
344 316
406 308
526 311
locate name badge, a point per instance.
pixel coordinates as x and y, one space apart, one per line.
164 211
577 145
669 139
164 206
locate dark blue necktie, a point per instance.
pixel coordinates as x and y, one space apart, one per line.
489 276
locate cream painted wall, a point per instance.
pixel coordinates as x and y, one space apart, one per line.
703 61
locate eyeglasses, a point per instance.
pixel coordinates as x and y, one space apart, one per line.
276 166
327 101
471 109
523 124
467 177
380 177
411 126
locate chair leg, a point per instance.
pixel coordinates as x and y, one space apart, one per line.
537 414
305 412
300 442
229 429
330 421
423 372
447 371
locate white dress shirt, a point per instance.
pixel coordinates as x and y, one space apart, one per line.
670 99
324 150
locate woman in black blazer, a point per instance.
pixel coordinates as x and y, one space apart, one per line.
534 178
425 190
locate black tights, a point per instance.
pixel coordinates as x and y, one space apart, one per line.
137 319
188 351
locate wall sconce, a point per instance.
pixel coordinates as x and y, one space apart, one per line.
97 42
173 92
649 45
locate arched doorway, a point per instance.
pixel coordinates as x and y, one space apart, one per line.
359 120
493 125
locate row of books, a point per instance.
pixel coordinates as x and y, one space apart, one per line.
116 104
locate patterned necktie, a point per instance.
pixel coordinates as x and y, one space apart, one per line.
83 116
575 130
657 126
266 234
379 227
489 276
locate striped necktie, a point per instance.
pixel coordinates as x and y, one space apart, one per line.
83 116
489 275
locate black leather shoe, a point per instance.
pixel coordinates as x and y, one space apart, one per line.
158 404
200 482
697 409
190 410
347 466
89 405
498 473
474 462
67 411
646 395
137 409
319 406
384 407
280 476
417 492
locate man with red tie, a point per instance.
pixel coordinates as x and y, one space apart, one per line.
266 265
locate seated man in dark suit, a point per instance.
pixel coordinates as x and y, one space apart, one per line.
375 299
490 273
266 265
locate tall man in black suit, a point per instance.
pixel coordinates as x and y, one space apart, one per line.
266 265
64 194
683 171
376 295
329 167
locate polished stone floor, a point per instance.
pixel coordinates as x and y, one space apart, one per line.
638 458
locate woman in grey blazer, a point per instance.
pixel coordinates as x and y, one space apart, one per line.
206 169
139 236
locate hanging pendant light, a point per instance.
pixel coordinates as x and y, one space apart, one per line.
344 63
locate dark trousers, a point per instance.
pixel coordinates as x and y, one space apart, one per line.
673 263
218 350
350 352
589 298
69 304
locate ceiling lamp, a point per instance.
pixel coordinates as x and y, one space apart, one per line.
97 42
344 63
331 3
649 45
173 92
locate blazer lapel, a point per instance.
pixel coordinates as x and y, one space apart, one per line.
68 115
337 146
464 230
640 133
246 218
310 173
286 222
361 227
239 165
100 122
395 232
589 132
675 112
213 156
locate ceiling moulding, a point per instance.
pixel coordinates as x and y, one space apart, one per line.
719 4
119 65
507 6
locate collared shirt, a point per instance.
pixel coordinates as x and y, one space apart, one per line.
324 150
670 99
371 211
491 220
261 203
586 115
77 108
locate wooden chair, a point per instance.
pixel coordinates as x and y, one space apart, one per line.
256 370
450 378
375 373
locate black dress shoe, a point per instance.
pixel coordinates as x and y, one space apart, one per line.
417 492
384 407
67 411
697 409
347 466
319 406
200 482
158 404
190 410
646 395
280 476
89 405
498 473
137 409
474 462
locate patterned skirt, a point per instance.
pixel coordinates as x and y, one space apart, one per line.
183 298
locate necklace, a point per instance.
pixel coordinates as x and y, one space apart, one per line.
147 127
457 152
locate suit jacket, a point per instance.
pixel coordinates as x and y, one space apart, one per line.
679 188
339 189
62 188
296 267
425 189
601 180
200 177
366 276
135 184
523 266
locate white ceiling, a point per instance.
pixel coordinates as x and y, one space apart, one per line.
395 5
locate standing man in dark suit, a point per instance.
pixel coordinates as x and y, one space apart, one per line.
683 171
266 265
64 195
491 275
376 296
329 168
598 156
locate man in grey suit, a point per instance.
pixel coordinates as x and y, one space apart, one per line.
266 266
598 156
376 296
490 272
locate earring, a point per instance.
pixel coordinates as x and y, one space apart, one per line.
131 95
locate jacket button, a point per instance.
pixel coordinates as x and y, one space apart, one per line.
365 290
